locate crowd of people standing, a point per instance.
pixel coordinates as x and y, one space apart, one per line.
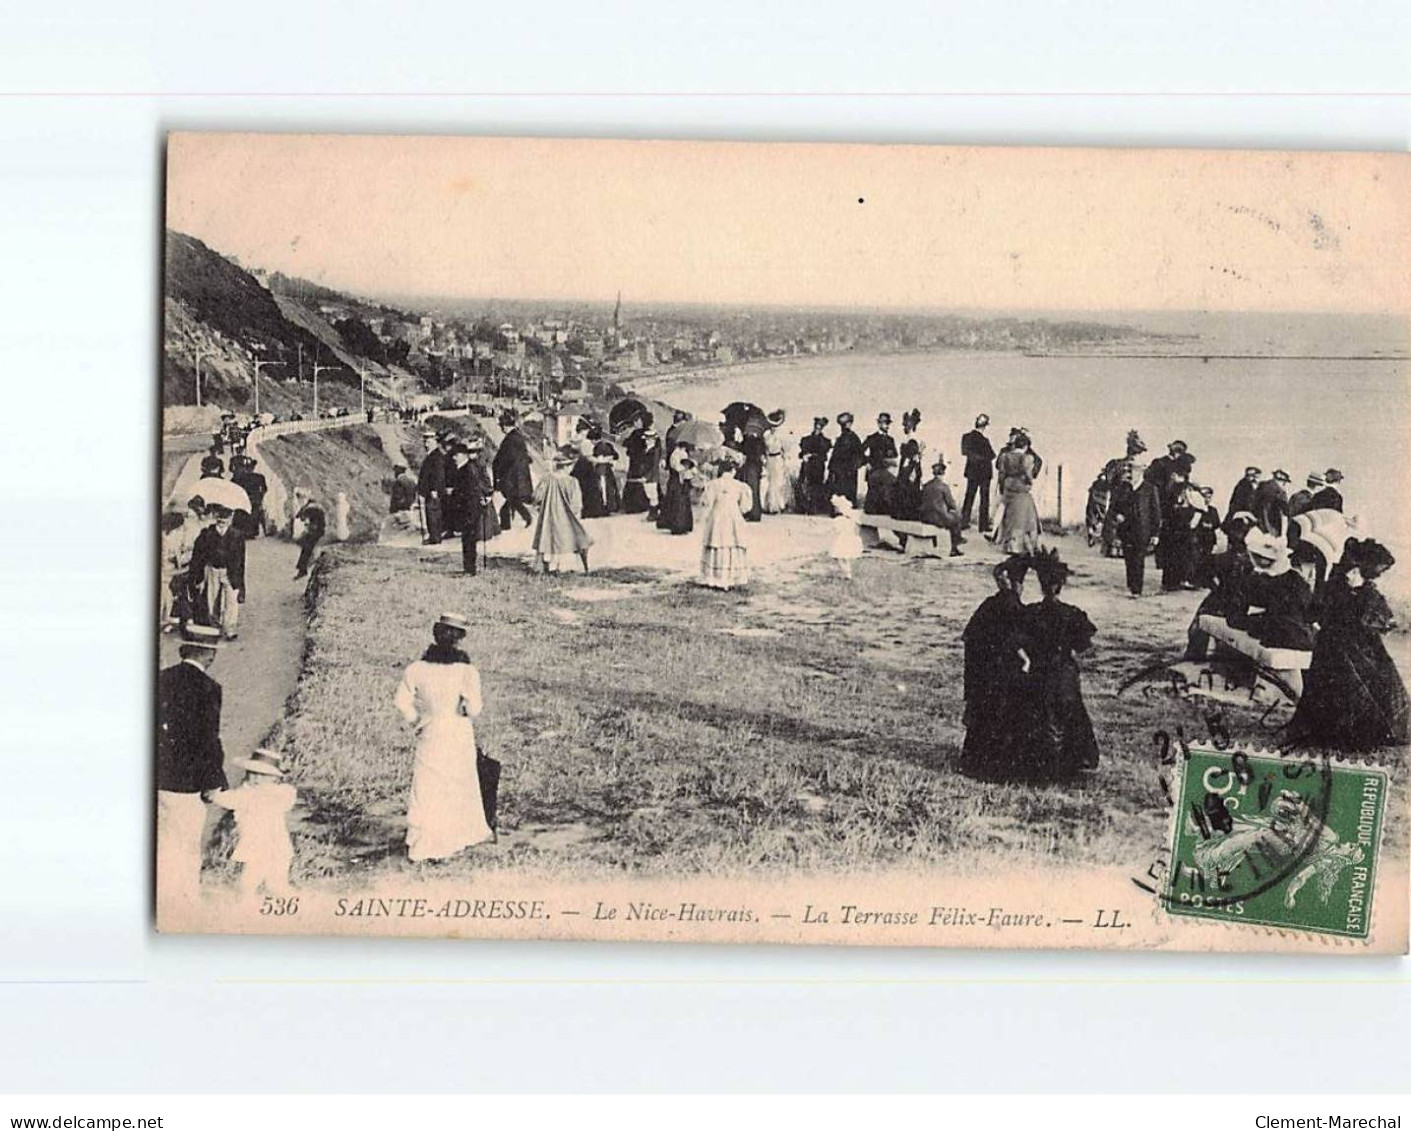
1024 713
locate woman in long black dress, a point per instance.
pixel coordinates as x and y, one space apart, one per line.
1062 744
995 691
751 472
675 513
591 485
605 457
643 450
908 499
1353 696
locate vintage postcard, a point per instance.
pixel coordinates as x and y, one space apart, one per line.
785 543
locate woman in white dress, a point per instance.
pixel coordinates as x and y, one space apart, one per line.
440 695
777 496
725 562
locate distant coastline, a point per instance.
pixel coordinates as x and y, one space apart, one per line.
662 380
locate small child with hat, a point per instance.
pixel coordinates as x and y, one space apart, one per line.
847 537
260 803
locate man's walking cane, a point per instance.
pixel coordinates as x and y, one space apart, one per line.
421 516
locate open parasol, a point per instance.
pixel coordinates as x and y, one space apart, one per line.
626 414
219 493
746 417
699 434
1327 531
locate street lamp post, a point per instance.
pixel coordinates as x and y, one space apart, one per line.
257 365
362 389
317 370
200 353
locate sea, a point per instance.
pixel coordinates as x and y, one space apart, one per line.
1297 392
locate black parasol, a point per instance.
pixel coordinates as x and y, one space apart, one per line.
627 414
746 417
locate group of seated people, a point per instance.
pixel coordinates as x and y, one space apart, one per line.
1353 697
1261 586
905 497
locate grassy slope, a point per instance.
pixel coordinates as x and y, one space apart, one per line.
348 459
806 724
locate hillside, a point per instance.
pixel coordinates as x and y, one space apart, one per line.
218 311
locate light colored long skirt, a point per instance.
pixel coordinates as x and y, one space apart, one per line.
1019 526
776 495
181 820
725 567
445 812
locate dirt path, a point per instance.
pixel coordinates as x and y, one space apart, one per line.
259 670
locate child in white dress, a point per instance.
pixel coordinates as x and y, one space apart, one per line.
260 804
847 538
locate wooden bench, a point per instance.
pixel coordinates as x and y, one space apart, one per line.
1288 664
919 535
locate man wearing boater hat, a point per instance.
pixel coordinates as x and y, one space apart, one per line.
190 761
1328 498
1299 500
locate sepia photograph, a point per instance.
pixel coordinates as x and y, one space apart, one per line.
783 543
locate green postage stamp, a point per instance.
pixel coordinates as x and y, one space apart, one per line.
1276 840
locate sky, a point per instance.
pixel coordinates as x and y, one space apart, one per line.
805 224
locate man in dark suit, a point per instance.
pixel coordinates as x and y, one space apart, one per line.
315 523
244 476
218 560
938 506
1271 504
979 455
1328 497
402 490
473 494
1164 468
813 465
452 501
846 459
190 762
880 447
431 485
1242 497
513 478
